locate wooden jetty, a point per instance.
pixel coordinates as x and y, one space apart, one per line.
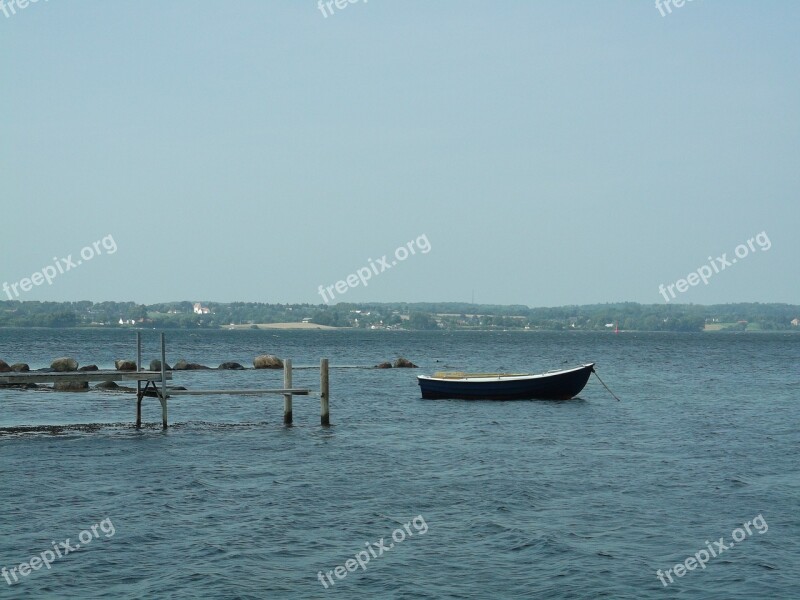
151 379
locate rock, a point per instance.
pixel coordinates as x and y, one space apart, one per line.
89 368
155 365
384 365
151 393
404 363
19 368
112 386
231 366
267 361
125 365
71 386
64 364
107 385
182 365
4 368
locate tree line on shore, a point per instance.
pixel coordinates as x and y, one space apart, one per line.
628 316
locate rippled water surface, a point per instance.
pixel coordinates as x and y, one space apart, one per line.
579 499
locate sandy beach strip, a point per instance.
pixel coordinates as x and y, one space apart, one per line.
284 326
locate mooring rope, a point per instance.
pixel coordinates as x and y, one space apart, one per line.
604 385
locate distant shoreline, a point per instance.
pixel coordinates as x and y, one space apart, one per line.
315 327
449 316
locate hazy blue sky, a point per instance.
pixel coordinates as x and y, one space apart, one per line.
552 152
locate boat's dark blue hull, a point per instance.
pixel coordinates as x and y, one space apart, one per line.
561 385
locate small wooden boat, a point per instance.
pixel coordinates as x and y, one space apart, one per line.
553 385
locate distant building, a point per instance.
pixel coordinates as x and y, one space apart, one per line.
795 322
199 309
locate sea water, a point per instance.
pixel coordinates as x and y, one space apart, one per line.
587 498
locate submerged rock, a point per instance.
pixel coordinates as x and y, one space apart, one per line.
404 363
231 366
182 365
155 365
112 386
22 386
151 393
384 365
107 385
71 386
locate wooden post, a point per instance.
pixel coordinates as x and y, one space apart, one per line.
138 383
287 398
163 383
324 393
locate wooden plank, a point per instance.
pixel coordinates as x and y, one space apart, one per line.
283 391
18 378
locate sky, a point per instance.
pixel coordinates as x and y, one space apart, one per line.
542 153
